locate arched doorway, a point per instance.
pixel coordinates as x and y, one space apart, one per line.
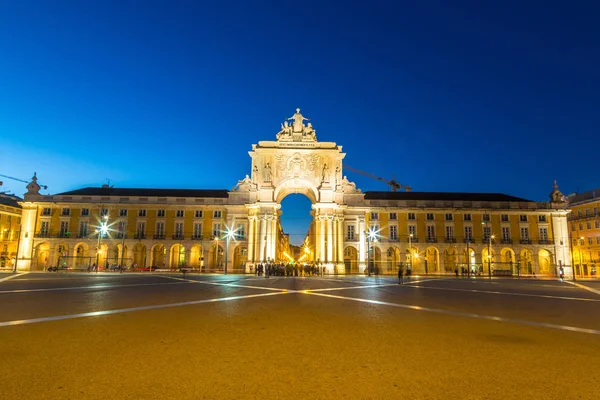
240 256
545 262
351 260
526 262
42 256
159 252
139 255
196 257
432 260
81 257
394 259
177 256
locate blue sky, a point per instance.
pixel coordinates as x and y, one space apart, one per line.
445 96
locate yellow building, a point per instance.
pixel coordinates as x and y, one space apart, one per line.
211 230
10 222
584 220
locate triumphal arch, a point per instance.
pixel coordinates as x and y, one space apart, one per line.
296 162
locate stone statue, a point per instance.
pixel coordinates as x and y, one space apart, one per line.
244 185
298 125
254 174
325 173
337 172
267 173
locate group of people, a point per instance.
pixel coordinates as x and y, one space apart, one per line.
288 269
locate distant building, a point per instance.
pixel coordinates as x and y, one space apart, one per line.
584 220
168 228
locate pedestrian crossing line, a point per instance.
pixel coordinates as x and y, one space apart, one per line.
132 309
544 296
463 314
13 276
579 285
101 286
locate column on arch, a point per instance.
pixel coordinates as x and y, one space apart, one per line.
261 238
340 240
322 237
362 251
329 239
317 237
251 222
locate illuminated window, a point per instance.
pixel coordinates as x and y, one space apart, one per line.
393 232
350 232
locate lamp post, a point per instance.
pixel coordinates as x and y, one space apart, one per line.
123 230
368 253
410 253
228 235
101 230
489 246
467 257
581 239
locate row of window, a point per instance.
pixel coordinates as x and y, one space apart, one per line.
140 232
588 225
450 217
590 241
9 218
588 212
85 212
449 233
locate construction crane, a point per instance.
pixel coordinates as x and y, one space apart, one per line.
393 184
18 180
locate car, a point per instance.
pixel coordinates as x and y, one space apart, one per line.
59 268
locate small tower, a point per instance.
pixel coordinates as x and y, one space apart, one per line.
556 197
33 187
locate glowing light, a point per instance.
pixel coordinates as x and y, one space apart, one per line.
373 234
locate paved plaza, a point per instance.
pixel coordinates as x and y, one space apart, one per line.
157 336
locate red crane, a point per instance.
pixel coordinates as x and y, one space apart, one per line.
393 184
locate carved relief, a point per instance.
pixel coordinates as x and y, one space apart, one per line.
296 166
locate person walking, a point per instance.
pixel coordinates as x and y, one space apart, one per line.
400 275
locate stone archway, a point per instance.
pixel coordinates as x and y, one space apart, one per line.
296 163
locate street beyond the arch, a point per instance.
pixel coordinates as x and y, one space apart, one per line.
153 335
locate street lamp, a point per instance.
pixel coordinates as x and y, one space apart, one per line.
229 233
489 245
101 230
581 241
410 253
371 236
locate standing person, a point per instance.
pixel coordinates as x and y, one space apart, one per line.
561 272
400 275
456 271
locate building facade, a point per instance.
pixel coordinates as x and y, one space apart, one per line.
239 228
10 223
584 221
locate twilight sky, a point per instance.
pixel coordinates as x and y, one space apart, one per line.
445 96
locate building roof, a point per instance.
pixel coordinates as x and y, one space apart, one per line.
584 197
447 196
9 200
139 192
